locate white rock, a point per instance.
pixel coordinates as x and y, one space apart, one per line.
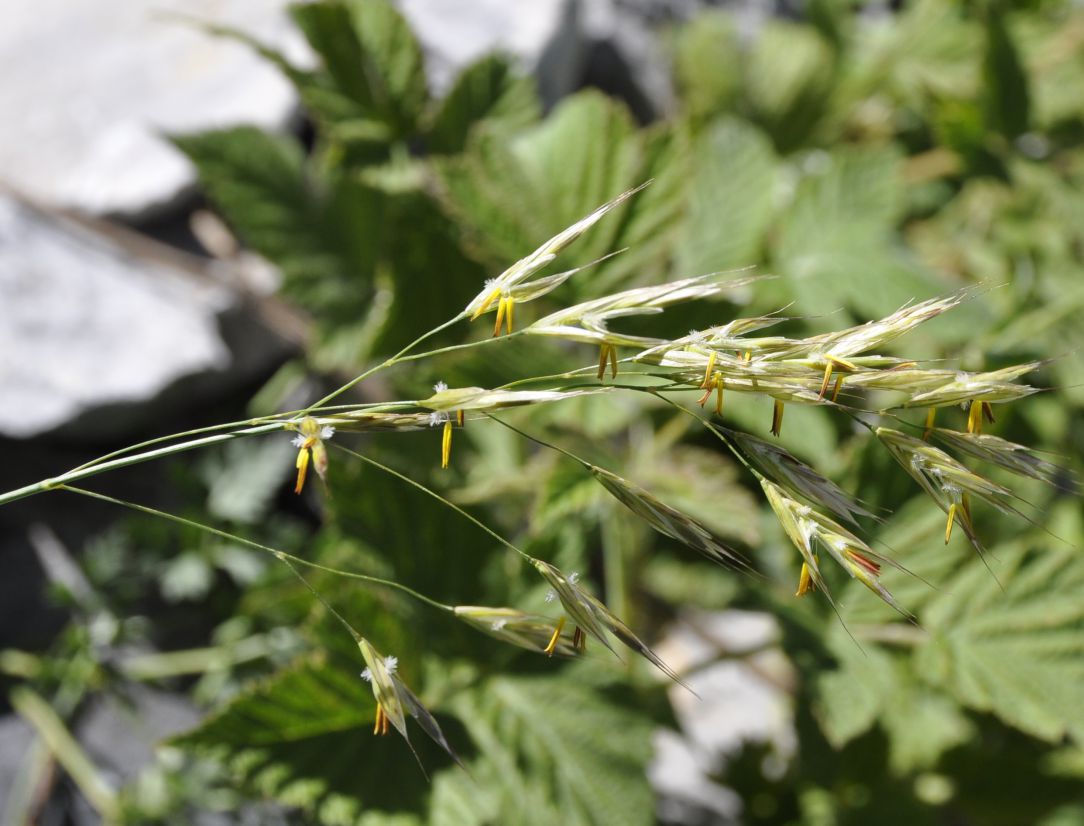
542 35
91 323
90 86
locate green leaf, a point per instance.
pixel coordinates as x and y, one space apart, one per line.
1017 653
731 198
488 90
551 750
260 183
1006 101
873 686
788 82
304 738
707 64
837 241
374 67
510 195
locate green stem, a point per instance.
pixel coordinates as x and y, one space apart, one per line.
439 498
86 472
282 556
376 368
67 750
275 418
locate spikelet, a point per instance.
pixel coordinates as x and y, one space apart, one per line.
531 631
809 531
595 619
510 285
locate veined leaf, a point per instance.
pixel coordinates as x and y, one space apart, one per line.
374 65
1017 653
731 198
488 90
305 226
304 737
550 751
510 195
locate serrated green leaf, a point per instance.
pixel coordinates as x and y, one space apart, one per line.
731 198
510 195
836 247
874 686
374 65
304 738
551 751
490 90
306 227
788 82
1017 653
707 64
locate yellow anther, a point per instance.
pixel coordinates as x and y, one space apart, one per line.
485 304
460 418
827 378
303 464
805 582
509 304
948 525
718 394
747 356
974 418
603 355
777 418
931 415
549 649
836 389
500 318
706 383
835 363
446 444
988 412
607 354
579 640
380 726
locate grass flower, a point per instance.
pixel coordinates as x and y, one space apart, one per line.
811 531
588 322
394 701
667 520
531 631
781 467
949 483
310 444
512 285
591 617
1011 456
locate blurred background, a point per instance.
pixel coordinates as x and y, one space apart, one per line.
219 209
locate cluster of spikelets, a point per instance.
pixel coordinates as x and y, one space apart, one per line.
833 369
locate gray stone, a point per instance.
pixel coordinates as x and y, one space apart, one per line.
100 327
744 697
89 88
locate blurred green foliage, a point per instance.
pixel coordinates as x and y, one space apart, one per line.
868 160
